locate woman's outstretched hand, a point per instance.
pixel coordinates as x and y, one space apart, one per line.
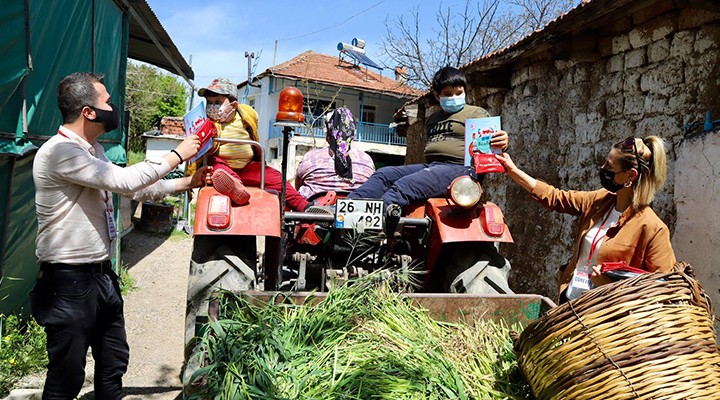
506 161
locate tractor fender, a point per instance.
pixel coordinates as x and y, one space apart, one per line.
260 217
483 223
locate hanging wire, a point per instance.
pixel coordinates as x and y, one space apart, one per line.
336 24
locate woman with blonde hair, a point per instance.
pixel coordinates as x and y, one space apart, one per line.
616 222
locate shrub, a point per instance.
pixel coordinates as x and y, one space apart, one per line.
22 350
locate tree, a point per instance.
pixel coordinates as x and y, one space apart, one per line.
463 35
151 95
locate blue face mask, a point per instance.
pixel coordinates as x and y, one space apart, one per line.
452 104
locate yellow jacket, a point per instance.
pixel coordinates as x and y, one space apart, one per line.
243 126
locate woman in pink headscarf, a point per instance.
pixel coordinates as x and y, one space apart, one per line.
338 167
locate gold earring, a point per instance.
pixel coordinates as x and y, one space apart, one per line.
628 184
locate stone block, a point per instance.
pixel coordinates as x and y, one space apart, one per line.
526 108
617 128
566 79
664 126
578 96
562 65
658 51
693 17
631 83
702 73
582 74
661 28
616 63
597 106
707 38
620 43
615 106
635 58
663 78
588 126
530 89
538 71
612 83
655 104
634 105
682 44
540 123
638 38
519 77
681 102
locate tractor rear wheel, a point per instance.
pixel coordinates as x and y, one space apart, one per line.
474 268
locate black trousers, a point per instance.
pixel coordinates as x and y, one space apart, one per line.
80 307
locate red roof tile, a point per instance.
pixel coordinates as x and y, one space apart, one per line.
328 69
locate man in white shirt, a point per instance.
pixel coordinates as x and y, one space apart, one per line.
77 297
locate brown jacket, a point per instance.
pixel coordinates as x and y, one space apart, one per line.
640 238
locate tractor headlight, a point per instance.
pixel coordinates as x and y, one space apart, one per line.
465 191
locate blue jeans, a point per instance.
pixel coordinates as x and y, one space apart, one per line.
405 184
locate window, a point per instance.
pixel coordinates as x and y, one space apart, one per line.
316 107
368 114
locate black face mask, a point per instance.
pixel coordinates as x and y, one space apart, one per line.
109 119
607 180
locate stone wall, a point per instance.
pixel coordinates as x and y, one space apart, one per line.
657 70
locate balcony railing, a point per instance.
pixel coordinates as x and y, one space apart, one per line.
367 132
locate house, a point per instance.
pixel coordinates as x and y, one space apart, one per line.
328 82
606 70
43 41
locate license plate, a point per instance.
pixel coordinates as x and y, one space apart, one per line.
359 214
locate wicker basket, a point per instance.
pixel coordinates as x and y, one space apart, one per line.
649 337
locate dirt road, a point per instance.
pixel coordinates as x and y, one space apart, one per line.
155 314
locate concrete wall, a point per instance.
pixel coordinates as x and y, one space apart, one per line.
658 69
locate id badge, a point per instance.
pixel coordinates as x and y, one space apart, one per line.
581 280
110 220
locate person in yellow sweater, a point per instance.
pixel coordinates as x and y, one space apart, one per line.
234 165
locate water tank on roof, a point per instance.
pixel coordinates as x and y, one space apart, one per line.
357 42
344 47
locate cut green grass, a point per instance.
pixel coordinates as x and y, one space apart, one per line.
362 341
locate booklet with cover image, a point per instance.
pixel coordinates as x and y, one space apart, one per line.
479 154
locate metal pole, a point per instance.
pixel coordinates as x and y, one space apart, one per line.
287 131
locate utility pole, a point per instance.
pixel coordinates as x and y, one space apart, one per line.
192 90
250 56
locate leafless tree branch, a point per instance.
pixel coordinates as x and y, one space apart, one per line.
462 34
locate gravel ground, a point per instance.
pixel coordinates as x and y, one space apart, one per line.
154 319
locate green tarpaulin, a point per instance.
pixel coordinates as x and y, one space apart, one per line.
41 42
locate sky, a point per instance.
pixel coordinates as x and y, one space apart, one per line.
213 35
